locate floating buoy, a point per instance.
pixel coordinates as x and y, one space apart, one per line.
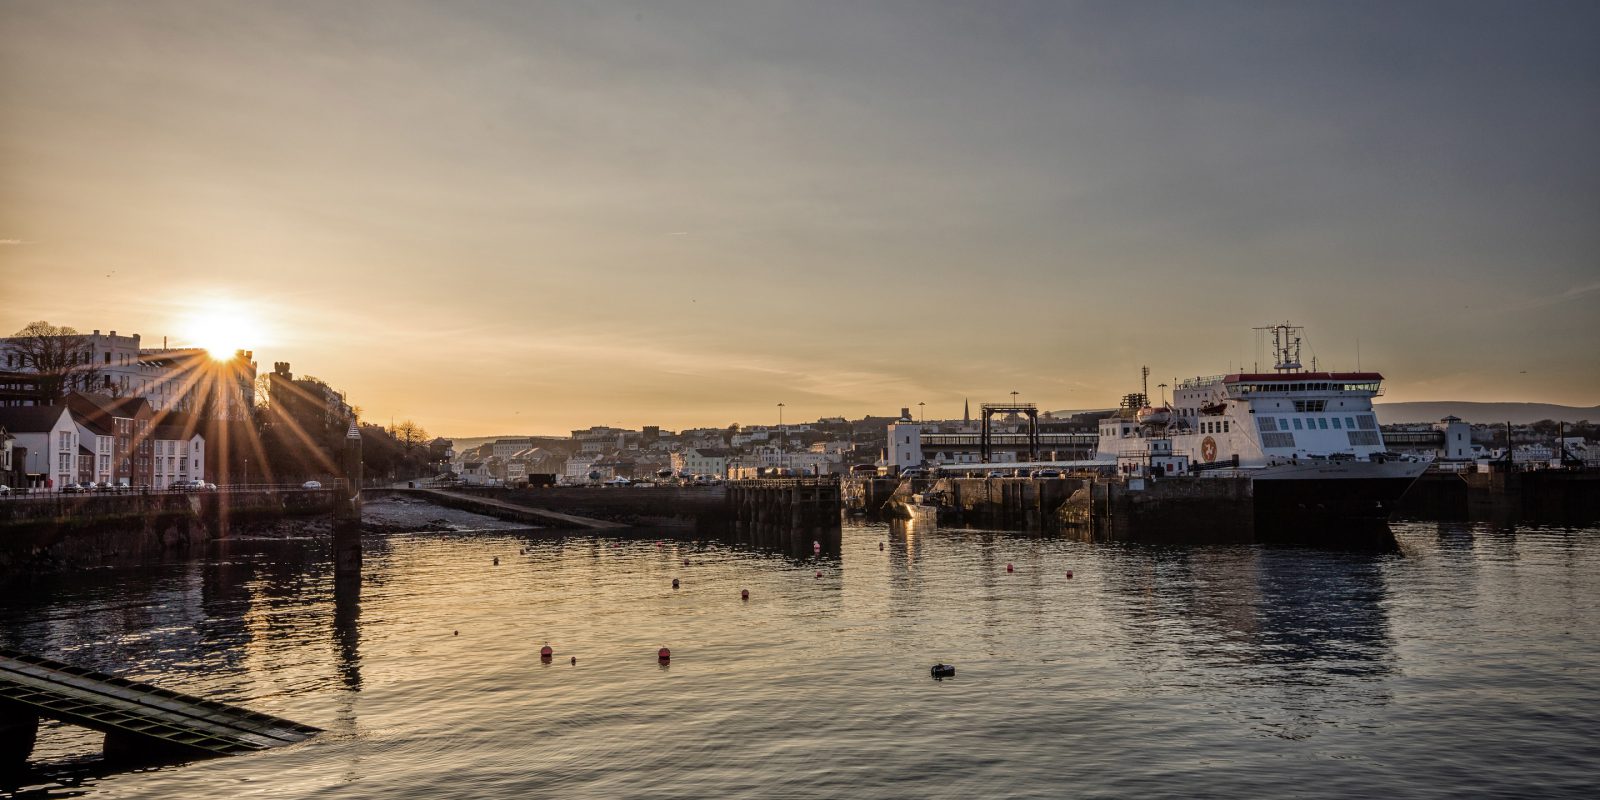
455 633
819 573
816 546
1010 568
545 652
664 654
674 583
574 661
943 671
686 562
744 594
880 545
1069 574
497 561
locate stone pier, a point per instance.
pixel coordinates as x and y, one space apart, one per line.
786 513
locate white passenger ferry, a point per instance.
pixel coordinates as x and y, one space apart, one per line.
1308 440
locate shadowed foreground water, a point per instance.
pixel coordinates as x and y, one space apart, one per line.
1466 663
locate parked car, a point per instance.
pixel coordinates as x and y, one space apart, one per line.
1047 473
995 474
75 488
181 486
207 486
4 489
311 485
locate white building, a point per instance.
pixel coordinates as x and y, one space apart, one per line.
905 444
51 436
178 455
701 461
1457 439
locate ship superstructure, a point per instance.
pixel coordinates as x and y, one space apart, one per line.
1309 439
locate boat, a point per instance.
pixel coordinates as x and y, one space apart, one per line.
1308 441
1156 417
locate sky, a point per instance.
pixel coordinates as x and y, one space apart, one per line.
501 217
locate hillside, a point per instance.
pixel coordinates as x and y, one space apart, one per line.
1515 413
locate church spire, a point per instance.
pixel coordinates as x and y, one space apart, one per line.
966 411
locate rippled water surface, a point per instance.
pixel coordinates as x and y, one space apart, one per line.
1465 663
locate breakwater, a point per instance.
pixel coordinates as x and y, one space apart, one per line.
69 531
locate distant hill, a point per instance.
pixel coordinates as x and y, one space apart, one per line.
1515 413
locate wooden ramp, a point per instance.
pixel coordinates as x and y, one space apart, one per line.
136 717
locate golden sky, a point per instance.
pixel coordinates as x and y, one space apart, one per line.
497 217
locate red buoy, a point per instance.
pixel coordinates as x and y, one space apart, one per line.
744 594
574 661
1069 574
819 573
686 562
674 583
1010 568
816 546
880 545
545 652
664 654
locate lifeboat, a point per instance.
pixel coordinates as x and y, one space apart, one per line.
1213 409
1154 416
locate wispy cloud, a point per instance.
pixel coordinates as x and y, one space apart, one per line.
11 241
1554 299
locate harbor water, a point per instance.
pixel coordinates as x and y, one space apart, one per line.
1464 662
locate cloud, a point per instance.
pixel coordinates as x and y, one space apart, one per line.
1556 299
11 241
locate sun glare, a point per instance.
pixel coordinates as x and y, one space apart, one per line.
222 332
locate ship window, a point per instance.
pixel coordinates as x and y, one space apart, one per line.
1268 424
1322 422
1297 423
1368 422
1350 422
1336 423
1224 426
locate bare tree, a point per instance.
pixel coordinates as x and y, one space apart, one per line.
63 358
409 434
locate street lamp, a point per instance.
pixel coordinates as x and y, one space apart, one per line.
1014 398
783 438
921 417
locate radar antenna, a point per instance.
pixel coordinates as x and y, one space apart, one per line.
1285 346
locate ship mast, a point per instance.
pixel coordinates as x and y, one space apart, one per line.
1285 346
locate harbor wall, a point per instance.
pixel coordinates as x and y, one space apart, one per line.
700 508
1171 509
796 515
60 532
1553 495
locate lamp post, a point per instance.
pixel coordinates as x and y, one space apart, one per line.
921 417
783 438
1014 398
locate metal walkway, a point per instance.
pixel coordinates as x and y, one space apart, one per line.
141 714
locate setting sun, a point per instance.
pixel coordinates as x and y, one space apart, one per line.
222 332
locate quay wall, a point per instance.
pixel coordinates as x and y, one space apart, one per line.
1171 509
700 508
1554 495
59 532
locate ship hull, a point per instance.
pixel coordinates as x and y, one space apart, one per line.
1350 500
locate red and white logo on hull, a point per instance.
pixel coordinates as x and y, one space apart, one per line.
1208 450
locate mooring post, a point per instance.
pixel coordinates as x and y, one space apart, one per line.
347 510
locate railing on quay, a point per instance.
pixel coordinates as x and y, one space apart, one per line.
41 493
